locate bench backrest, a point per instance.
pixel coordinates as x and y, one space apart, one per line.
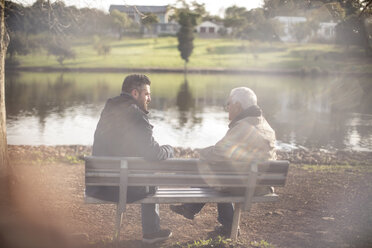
124 172
105 171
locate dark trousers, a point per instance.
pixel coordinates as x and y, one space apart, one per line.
225 211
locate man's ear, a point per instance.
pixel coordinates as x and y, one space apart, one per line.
134 93
239 107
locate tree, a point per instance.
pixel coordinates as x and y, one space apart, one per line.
300 30
251 24
46 18
120 21
188 20
149 20
61 50
350 14
18 44
234 18
4 161
100 46
199 8
352 29
284 7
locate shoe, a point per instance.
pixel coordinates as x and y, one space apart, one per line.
182 210
272 190
264 190
225 231
161 235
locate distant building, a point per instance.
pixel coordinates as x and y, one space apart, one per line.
135 12
368 25
210 29
326 30
287 23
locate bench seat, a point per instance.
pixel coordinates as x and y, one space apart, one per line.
189 195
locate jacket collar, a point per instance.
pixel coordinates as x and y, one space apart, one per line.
252 111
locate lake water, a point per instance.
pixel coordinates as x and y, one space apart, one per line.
64 108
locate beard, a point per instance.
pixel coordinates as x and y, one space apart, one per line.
143 106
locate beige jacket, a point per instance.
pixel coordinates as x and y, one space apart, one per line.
248 139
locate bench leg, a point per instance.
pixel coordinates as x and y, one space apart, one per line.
119 217
236 219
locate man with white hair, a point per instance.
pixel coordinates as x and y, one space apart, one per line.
249 138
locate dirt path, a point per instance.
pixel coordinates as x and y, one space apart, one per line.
320 206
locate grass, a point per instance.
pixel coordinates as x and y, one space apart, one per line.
336 168
209 53
218 242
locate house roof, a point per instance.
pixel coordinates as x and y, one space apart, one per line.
209 23
142 9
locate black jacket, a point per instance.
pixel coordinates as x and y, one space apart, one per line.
125 131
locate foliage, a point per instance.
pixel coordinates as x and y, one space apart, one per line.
218 242
352 29
92 22
199 9
213 18
234 18
101 47
350 14
33 27
18 44
261 244
61 50
120 21
350 32
251 24
285 8
73 159
149 20
337 8
328 12
300 30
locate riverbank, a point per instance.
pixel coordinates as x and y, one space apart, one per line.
293 72
75 154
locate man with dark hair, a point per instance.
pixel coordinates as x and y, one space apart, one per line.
124 131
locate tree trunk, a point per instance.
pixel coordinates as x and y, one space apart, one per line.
365 36
4 161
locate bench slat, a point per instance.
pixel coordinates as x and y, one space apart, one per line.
113 179
189 195
182 165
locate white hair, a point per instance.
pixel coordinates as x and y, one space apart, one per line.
245 96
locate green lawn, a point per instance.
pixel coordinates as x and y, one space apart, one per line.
210 53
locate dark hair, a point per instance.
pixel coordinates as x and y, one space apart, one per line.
134 81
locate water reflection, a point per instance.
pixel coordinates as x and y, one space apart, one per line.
186 106
53 108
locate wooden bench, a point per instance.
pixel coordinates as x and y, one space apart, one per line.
184 181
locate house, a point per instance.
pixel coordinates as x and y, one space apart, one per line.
326 30
136 13
287 23
210 29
